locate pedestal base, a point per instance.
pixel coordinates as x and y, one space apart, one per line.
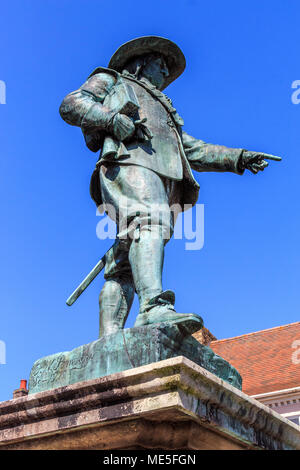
125 350
172 404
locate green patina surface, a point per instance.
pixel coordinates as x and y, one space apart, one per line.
146 159
125 350
143 177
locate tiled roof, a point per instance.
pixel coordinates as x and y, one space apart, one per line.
268 360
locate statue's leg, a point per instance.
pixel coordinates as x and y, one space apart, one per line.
145 222
146 256
115 301
146 259
117 294
136 198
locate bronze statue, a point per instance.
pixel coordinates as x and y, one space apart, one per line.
123 112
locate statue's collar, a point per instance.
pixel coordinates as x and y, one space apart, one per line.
143 81
154 90
164 99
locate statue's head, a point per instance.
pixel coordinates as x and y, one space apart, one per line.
151 66
155 58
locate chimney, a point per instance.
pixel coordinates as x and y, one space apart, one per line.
22 391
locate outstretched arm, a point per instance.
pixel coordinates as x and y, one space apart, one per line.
210 157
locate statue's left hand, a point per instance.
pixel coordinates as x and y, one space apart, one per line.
123 126
142 131
256 161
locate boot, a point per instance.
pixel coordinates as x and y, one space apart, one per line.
146 256
161 310
115 302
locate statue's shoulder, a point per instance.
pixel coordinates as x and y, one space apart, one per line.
101 81
105 71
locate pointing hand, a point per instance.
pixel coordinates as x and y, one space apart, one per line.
256 161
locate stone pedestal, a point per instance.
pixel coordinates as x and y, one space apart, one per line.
171 404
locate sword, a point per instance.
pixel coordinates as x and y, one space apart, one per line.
87 280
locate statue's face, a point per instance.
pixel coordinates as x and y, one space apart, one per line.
155 71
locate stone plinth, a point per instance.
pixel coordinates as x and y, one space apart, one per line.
126 349
172 404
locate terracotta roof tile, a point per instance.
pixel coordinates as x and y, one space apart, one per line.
268 360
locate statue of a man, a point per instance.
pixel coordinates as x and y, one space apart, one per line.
146 160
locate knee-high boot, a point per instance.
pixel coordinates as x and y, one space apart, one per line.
115 302
146 256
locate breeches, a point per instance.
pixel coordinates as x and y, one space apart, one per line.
136 198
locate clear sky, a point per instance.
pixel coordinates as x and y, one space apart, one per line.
242 58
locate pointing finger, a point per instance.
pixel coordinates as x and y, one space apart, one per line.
267 156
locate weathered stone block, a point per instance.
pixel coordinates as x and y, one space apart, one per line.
171 404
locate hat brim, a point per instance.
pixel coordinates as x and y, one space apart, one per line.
172 54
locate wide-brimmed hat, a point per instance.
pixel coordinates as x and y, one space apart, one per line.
172 54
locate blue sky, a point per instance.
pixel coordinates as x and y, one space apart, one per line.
242 58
